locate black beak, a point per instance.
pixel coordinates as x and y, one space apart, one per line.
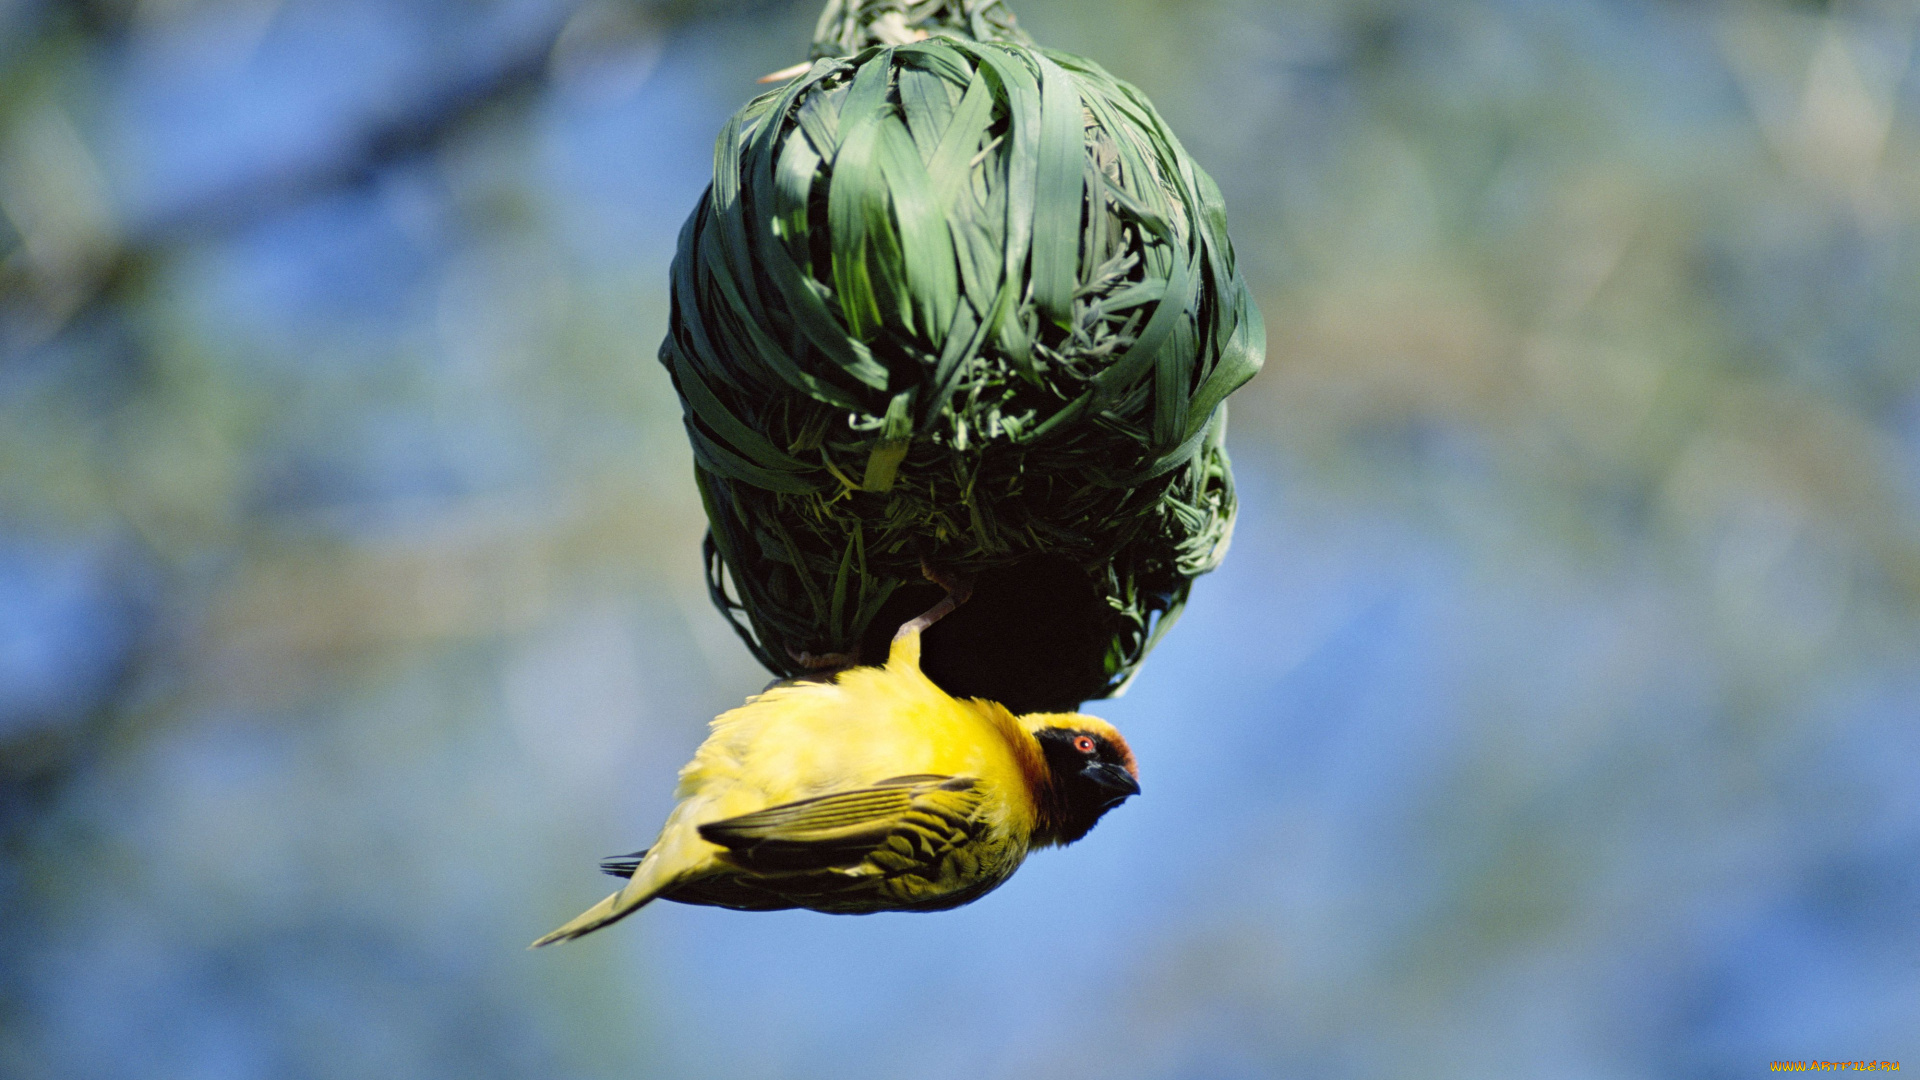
1114 779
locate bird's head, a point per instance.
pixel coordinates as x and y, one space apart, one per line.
1090 771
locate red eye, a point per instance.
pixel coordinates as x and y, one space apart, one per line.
1084 744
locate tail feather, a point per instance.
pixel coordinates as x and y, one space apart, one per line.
623 865
595 917
649 878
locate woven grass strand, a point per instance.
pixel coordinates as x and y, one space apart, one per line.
955 298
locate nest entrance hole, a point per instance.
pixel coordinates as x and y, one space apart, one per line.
1031 637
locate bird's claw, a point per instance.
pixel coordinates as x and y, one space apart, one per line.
959 588
958 591
824 661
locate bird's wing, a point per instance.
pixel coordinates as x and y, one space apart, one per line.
842 828
910 837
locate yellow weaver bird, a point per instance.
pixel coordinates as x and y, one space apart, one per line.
875 791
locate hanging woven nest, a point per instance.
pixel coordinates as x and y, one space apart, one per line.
958 301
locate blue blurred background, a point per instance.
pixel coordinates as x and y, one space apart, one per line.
1557 713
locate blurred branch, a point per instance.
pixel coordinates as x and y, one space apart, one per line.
36 303
253 200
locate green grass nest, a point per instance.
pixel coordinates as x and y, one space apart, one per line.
956 298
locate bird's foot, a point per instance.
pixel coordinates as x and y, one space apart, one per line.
822 661
832 661
817 667
958 590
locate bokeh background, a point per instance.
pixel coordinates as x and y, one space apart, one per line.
1557 713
